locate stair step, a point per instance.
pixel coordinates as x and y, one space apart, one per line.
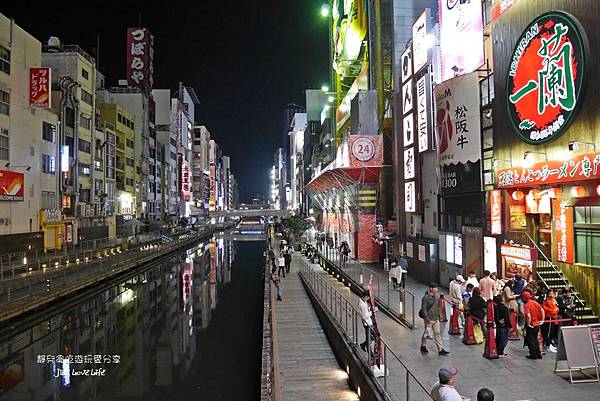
587 319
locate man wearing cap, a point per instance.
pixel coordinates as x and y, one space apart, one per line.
444 389
430 313
534 318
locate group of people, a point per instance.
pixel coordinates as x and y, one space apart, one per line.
280 265
536 308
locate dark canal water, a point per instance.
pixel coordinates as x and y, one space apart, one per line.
187 329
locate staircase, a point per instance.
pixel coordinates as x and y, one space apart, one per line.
552 278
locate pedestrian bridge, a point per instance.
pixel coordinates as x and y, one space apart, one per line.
251 213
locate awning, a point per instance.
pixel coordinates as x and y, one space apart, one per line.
343 177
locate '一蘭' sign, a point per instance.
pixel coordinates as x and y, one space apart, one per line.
582 167
545 77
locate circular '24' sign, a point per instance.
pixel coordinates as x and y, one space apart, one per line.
545 77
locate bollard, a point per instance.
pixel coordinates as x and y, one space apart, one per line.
469 337
454 329
443 315
512 333
490 351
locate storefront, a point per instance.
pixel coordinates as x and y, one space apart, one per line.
517 260
51 222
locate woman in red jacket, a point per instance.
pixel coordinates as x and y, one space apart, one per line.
550 329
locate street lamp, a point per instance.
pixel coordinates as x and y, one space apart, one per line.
325 10
325 88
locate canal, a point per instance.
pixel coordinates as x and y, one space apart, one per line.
189 328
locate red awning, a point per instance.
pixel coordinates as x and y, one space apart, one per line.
343 177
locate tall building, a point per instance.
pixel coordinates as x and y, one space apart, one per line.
30 211
288 115
296 160
201 170
168 140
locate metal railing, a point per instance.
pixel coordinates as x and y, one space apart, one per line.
399 301
393 377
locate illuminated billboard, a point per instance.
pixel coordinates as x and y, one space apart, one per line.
461 27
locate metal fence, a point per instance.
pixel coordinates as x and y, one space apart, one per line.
396 380
399 301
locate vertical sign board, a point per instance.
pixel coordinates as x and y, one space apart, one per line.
563 231
408 131
140 56
39 87
458 134
496 212
420 45
424 111
461 27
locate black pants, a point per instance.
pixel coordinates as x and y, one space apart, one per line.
550 333
501 339
281 271
531 336
288 266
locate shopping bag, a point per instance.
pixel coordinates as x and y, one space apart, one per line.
478 333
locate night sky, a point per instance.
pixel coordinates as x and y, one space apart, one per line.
245 59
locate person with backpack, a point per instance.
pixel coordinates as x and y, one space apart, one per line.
430 313
345 251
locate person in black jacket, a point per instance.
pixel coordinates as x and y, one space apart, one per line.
478 308
502 320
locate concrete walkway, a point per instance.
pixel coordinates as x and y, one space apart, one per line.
511 379
309 370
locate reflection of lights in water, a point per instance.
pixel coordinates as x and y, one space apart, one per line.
126 296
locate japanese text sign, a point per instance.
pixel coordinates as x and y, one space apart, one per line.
496 212
11 186
461 28
420 45
518 252
545 78
39 87
140 55
581 167
409 163
500 7
458 120
423 111
410 204
563 228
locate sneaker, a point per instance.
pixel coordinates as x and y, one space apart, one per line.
502 356
530 357
552 348
424 349
443 352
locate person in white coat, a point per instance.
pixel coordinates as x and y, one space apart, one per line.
395 275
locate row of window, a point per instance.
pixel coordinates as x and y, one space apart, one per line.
125 121
4 103
4 60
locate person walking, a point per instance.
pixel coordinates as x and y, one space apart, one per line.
549 328
485 394
430 313
487 286
281 265
277 282
365 312
403 264
272 256
344 251
395 275
534 317
444 389
503 325
287 256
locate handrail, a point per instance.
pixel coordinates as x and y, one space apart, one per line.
274 343
549 263
327 294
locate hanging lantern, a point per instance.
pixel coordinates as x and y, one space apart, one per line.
518 195
535 194
577 191
598 190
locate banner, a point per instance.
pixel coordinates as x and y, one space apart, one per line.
563 230
461 28
11 186
39 87
420 45
458 134
496 212
140 55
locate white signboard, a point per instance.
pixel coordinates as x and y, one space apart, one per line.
407 67
408 130
423 93
420 48
407 97
409 197
490 260
458 120
461 37
409 163
409 249
422 256
458 250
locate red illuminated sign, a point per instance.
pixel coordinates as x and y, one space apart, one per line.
39 87
140 55
579 168
563 226
545 77
500 7
11 186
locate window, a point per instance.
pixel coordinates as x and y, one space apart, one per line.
129 181
487 90
4 142
587 235
132 125
4 60
48 164
70 117
85 122
120 118
98 165
4 102
173 142
98 187
84 169
86 97
84 195
129 143
84 146
48 200
129 162
48 131
85 74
